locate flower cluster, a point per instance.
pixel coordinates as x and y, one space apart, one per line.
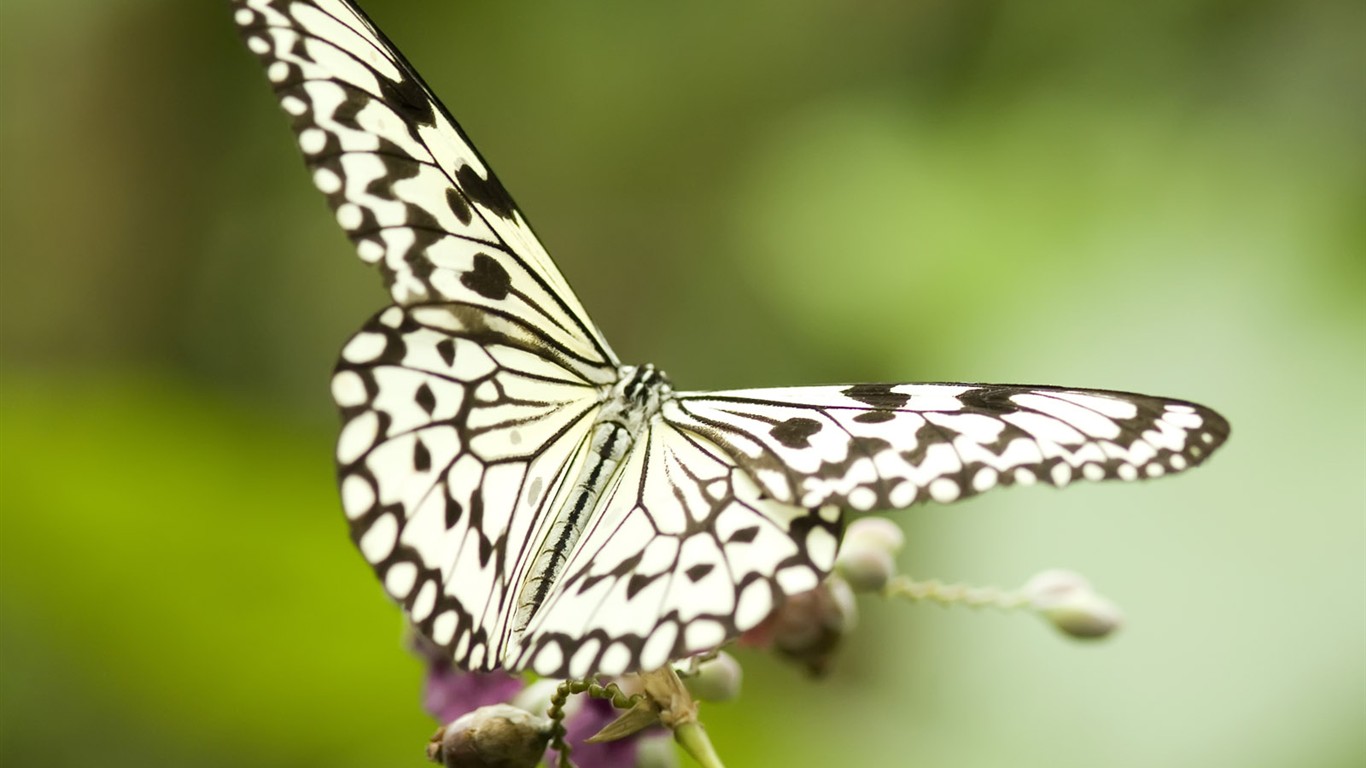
498 720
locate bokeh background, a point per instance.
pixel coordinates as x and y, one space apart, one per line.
1163 196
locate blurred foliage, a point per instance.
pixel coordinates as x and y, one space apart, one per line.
1160 196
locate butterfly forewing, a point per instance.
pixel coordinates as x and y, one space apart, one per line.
405 183
888 446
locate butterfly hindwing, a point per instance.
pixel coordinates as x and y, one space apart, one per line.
456 447
685 553
888 446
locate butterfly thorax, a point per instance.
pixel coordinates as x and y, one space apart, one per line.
624 415
639 388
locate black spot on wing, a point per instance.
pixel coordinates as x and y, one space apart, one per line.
458 206
637 583
488 278
425 399
422 458
699 571
488 194
446 348
453 512
476 511
991 399
875 417
410 100
868 446
796 432
876 395
744 535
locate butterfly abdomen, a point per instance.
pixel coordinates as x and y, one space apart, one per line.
626 411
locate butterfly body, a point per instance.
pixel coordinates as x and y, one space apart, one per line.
533 503
629 405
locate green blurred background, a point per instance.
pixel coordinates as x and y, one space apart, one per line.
1164 197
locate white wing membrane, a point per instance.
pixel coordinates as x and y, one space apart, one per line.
685 553
406 185
456 447
888 446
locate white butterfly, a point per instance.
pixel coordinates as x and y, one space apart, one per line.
535 504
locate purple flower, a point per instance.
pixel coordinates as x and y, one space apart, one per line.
450 693
591 718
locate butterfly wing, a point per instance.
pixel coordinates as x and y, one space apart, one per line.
733 501
685 553
466 407
405 183
455 446
888 446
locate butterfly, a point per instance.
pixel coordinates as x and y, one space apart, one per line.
533 503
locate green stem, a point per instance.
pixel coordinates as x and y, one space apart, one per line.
953 594
693 738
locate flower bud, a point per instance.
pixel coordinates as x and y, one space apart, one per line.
495 736
867 557
717 679
866 569
868 554
656 752
874 532
808 626
1071 605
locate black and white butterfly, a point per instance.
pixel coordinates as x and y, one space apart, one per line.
535 504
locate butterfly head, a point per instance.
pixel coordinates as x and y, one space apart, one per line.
641 387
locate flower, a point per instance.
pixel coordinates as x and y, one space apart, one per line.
1067 600
495 720
867 556
448 693
808 627
493 736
